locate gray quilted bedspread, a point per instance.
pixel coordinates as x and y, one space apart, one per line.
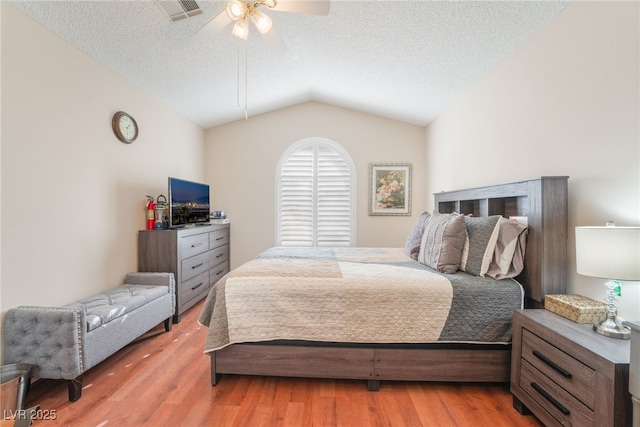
355 295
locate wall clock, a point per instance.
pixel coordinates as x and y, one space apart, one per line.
124 127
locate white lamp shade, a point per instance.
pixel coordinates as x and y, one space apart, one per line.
241 29
262 22
236 9
608 252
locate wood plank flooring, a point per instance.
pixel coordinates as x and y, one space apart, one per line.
163 380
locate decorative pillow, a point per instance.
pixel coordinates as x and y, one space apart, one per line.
442 242
508 257
482 233
412 245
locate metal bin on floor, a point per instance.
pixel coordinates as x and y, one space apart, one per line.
14 384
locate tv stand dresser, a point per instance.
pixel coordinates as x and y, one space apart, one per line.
197 256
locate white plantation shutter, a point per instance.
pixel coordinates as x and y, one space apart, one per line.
315 195
333 199
296 199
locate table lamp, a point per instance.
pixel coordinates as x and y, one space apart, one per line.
611 253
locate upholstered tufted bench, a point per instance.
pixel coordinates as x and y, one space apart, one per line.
64 342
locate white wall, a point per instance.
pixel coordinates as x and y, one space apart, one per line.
566 103
72 195
242 157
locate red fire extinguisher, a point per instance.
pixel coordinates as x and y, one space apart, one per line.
151 213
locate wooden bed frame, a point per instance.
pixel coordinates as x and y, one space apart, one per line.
542 200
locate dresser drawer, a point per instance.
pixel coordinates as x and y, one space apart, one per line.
194 287
563 369
218 271
218 238
195 265
562 406
219 255
194 245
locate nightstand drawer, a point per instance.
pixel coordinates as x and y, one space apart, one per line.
562 406
563 369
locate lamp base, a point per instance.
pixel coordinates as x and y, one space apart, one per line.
612 328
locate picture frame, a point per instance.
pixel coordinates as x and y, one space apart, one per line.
390 189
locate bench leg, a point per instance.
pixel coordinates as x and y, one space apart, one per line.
168 324
373 385
75 388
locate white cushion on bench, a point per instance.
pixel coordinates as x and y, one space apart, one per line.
102 308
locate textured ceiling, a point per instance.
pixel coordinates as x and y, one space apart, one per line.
405 60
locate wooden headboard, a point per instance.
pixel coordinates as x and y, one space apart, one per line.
544 202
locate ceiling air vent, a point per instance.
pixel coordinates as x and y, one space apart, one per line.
180 9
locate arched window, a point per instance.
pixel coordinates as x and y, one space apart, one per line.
315 195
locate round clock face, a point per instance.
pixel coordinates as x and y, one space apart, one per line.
124 127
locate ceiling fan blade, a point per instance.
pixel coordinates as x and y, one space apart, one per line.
217 24
312 7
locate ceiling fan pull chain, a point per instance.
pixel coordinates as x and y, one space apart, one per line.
246 113
246 81
238 79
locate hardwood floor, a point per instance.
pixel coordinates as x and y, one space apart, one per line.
163 380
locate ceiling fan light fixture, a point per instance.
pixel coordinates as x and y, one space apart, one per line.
241 29
237 9
261 21
269 3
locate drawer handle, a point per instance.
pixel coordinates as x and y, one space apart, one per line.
195 245
550 398
220 238
219 255
197 265
197 286
552 364
219 272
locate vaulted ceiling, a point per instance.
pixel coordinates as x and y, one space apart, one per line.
405 60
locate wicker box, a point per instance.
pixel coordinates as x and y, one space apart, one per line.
577 308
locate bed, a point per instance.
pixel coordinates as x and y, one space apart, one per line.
398 313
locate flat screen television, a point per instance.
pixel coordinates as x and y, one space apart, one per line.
188 203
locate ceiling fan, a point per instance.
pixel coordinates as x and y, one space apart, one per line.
241 11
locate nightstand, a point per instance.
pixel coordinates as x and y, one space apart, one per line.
566 374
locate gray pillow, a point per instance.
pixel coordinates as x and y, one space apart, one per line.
412 245
442 242
482 233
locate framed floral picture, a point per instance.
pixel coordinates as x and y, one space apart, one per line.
390 189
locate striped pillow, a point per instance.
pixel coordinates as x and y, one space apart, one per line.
442 242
